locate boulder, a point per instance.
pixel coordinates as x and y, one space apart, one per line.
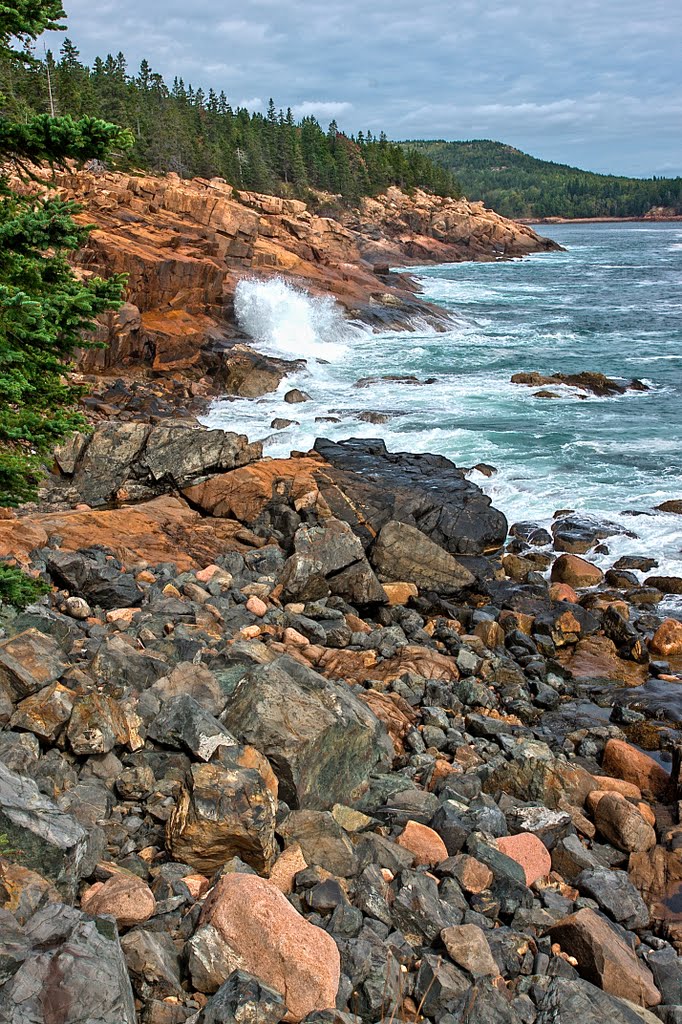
73 972
99 583
97 724
46 839
44 713
426 845
223 812
468 948
321 741
565 1001
604 958
667 640
28 662
623 825
320 840
626 762
615 894
402 552
368 486
243 997
124 897
576 572
266 936
331 551
528 851
183 723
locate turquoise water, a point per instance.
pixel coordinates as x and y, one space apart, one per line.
612 302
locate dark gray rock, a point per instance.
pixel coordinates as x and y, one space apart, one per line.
183 723
75 973
565 1001
366 485
322 741
46 839
616 895
243 999
153 963
99 583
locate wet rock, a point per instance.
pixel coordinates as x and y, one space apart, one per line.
243 371
576 572
101 584
626 762
604 958
402 552
321 740
667 640
623 825
594 383
221 813
424 491
75 969
269 937
616 895
296 397
49 840
28 662
597 658
666 584
124 897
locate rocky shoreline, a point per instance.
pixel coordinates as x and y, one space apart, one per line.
317 738
307 739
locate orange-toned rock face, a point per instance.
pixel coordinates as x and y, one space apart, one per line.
667 640
528 851
576 572
165 529
626 762
426 845
275 942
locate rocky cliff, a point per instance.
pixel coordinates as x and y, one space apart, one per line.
185 244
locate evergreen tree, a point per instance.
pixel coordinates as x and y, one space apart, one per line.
44 307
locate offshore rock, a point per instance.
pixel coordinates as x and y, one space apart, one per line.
367 486
264 932
322 742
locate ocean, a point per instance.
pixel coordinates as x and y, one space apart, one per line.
612 302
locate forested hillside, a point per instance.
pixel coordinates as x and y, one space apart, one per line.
182 129
518 185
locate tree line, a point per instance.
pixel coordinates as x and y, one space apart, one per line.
196 133
518 185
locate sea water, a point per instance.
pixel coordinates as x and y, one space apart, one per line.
612 302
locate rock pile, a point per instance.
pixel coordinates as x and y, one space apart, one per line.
301 740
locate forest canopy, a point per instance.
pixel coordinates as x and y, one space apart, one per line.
197 133
518 185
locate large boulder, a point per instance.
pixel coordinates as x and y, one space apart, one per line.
136 461
604 958
45 838
223 812
402 552
264 935
98 581
322 741
330 559
28 662
565 1001
72 972
369 486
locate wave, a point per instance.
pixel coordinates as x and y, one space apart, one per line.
287 321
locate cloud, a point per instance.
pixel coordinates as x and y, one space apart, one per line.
322 109
595 83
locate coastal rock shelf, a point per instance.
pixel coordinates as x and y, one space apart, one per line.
310 739
184 245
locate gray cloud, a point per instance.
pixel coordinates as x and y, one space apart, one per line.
595 83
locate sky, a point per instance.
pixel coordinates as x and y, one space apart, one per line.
593 83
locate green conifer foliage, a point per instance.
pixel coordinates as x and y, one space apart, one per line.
44 307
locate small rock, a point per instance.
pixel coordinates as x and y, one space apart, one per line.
467 946
667 640
623 825
256 606
125 897
295 397
528 851
426 845
576 572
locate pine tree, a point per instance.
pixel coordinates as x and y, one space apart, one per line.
44 307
